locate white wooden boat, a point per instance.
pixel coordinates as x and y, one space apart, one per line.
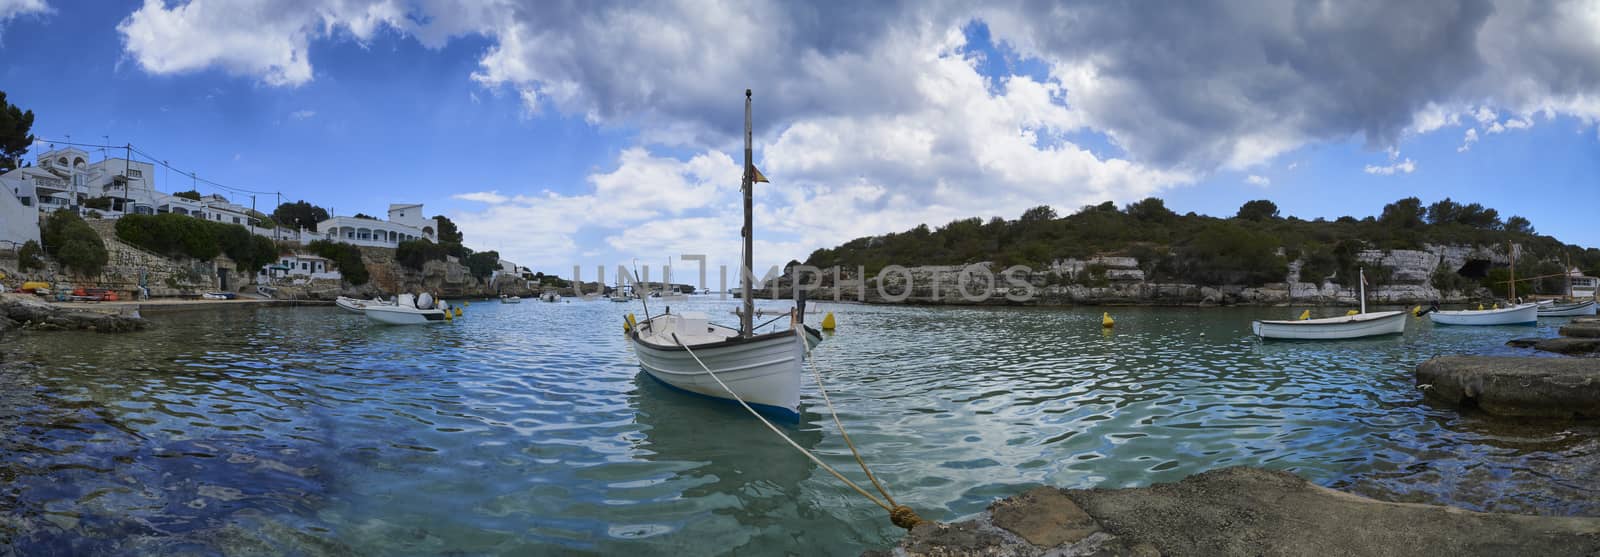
763 370
687 352
1525 314
510 299
407 310
1333 328
1568 310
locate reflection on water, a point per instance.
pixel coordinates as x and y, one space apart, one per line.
524 429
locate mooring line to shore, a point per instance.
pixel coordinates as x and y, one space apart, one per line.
900 515
817 374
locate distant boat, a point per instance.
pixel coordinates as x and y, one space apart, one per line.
407 310
1524 314
504 299
1568 310
687 352
549 296
1335 328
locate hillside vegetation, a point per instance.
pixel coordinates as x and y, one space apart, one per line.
1253 247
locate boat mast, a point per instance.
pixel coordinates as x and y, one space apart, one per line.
1362 272
745 316
1511 252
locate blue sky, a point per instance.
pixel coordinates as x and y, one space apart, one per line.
593 135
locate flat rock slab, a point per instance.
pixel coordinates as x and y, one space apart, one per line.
1527 342
1513 386
1569 346
1251 511
1581 330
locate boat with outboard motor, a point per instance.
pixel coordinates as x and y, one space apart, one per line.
408 310
357 305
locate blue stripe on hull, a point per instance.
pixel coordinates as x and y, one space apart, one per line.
1494 325
778 412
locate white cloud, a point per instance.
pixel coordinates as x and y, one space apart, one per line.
13 8
491 197
258 38
1403 167
1262 181
1484 115
1467 141
302 114
1294 165
1518 123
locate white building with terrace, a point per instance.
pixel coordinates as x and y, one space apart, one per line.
405 223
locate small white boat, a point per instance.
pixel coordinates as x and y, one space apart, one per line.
1525 314
510 299
1359 325
1331 328
764 370
687 352
549 296
674 296
357 305
619 298
1568 310
407 310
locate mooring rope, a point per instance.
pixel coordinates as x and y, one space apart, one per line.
816 373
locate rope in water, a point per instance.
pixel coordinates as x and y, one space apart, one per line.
900 515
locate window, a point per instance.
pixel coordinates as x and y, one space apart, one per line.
236 220
304 266
135 173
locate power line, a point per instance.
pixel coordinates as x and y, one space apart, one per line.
156 161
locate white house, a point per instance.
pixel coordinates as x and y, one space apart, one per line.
18 223
301 266
405 223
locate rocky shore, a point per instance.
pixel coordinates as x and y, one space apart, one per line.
1240 511
29 313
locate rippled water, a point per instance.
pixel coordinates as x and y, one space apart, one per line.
528 429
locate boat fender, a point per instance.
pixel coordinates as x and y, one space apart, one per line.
1416 311
1497 305
1305 315
1480 307
1352 312
827 322
1106 321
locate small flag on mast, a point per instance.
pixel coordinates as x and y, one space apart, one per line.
756 176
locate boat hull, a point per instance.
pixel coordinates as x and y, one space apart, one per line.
764 370
1333 328
1526 314
1582 308
402 316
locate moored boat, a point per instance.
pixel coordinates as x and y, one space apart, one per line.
408 310
1355 325
1524 314
357 305
504 299
1568 310
549 296
687 352
1331 328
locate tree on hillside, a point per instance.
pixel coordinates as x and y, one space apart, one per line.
300 213
1405 213
1040 213
448 233
482 264
14 137
1258 210
1150 209
1519 225
1444 211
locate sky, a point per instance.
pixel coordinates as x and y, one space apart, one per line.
593 133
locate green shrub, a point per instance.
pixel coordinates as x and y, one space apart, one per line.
175 235
413 254
346 256
75 244
482 264
28 257
102 203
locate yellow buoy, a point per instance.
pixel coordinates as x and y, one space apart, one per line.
1106 321
1304 315
1416 310
448 316
466 302
628 322
458 312
1352 312
1497 305
827 322
1480 307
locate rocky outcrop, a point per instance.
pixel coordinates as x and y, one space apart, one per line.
1240 511
26 312
1514 386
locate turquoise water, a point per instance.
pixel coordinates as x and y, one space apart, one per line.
528 429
